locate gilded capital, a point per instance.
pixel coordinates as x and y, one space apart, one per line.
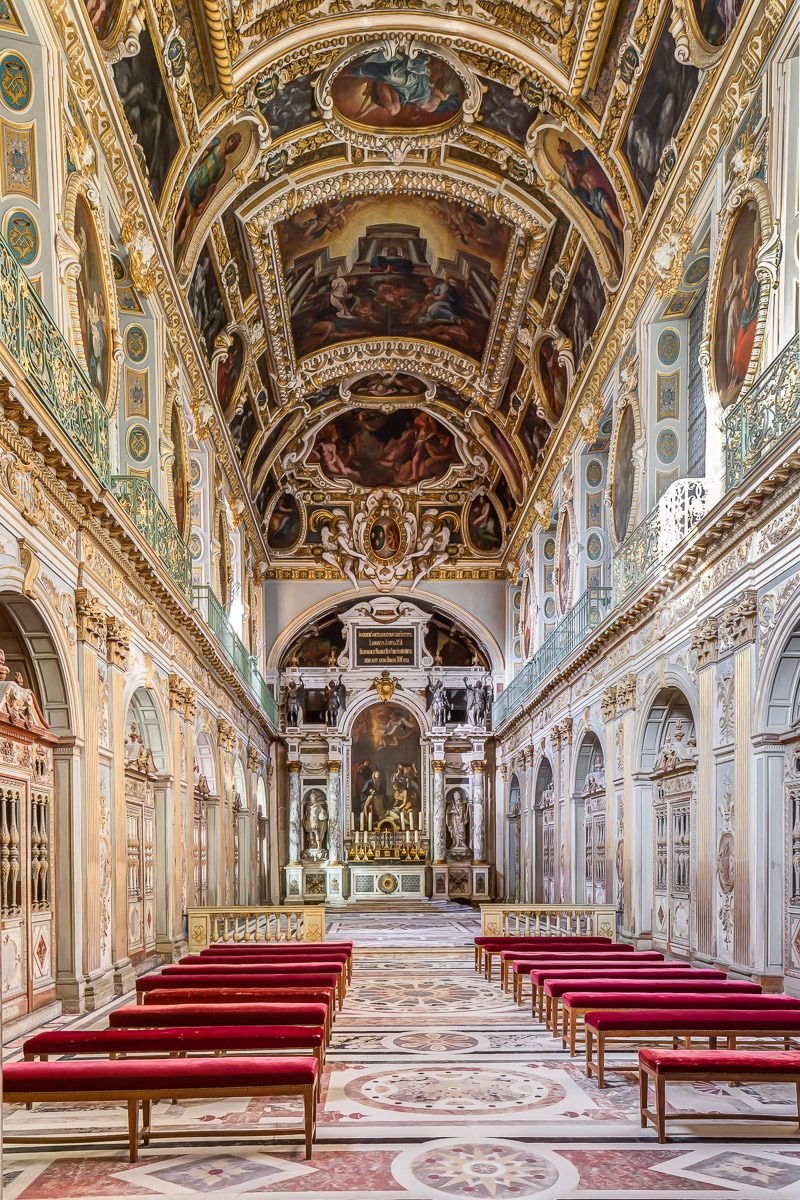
333 766
118 643
438 765
91 619
226 734
626 693
294 767
705 643
566 731
477 766
254 759
737 623
608 703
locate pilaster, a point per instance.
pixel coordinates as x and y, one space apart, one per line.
117 647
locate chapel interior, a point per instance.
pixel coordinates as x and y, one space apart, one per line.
400 599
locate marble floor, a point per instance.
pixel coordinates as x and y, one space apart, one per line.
437 1086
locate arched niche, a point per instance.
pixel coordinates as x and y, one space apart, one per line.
664 868
204 816
512 839
239 833
589 821
148 824
30 650
386 769
545 856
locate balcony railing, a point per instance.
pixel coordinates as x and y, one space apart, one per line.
51 369
233 648
140 501
582 618
683 504
763 415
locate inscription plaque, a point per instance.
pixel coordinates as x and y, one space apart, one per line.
385 648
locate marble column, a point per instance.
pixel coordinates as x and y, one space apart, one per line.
439 815
478 772
295 813
335 849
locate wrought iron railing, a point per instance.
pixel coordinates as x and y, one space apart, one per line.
233 647
140 501
51 369
683 504
582 618
763 415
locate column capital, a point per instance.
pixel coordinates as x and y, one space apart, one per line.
608 703
478 766
254 759
566 731
704 642
226 734
333 766
182 698
294 767
555 737
91 620
438 764
626 693
118 643
737 623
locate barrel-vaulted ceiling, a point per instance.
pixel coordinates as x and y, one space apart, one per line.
399 229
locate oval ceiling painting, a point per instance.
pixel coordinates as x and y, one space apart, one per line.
377 449
283 526
716 19
737 305
398 93
483 525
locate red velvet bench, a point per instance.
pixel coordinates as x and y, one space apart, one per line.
294 951
181 1040
712 1066
171 1016
584 962
508 956
541 972
494 943
647 1025
160 981
673 982
265 970
586 977
132 1081
578 947
231 996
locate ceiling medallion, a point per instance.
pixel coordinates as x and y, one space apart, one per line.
397 95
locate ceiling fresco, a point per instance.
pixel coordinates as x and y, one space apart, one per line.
400 236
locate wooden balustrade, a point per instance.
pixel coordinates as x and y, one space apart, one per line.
251 925
551 920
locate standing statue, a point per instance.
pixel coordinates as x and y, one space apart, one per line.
335 701
476 703
438 702
315 823
294 703
457 817
488 696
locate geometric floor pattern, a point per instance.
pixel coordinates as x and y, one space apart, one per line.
437 1086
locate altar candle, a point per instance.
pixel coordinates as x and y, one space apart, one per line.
408 837
402 820
370 822
362 822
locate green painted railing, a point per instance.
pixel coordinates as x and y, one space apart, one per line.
51 369
763 415
583 617
233 648
140 501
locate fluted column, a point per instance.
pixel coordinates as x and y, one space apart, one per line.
478 772
295 813
335 849
439 817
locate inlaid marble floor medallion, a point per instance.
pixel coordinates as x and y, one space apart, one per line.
437 1086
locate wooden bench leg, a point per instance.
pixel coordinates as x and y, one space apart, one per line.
797 1089
573 1030
309 1110
661 1107
133 1130
589 1046
601 1050
643 1090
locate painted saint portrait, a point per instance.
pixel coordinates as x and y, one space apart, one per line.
534 433
552 377
586 180
623 475
392 266
564 566
378 449
103 15
283 526
716 19
385 773
660 108
583 307
209 175
244 428
229 369
93 310
140 87
737 305
484 526
205 300
411 92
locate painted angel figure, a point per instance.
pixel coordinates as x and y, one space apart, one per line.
338 549
431 548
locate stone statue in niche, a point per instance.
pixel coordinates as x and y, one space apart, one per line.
294 703
315 823
457 818
479 696
335 701
438 702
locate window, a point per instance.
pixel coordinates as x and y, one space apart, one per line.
696 420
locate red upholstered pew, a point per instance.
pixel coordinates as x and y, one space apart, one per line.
135 1081
565 950
269 951
634 970
583 962
682 993
180 1040
314 981
712 1066
168 1016
234 971
650 1024
494 943
493 948
240 996
660 977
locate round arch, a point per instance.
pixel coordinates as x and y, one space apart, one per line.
32 645
777 699
589 747
143 707
665 703
205 757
